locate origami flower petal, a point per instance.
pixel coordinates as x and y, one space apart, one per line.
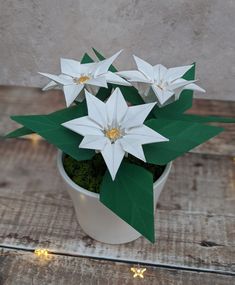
113 78
84 126
194 87
88 68
177 72
159 72
177 93
180 83
113 155
70 67
98 81
52 84
96 142
96 109
145 135
58 79
162 95
133 147
144 67
71 92
134 75
136 115
190 86
103 66
116 108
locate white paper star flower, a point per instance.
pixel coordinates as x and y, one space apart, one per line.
114 129
75 76
165 83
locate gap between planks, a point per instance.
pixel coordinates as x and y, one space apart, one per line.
126 261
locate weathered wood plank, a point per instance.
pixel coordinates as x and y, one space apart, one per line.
24 268
212 107
195 220
26 100
22 100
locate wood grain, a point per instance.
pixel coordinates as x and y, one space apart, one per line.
25 100
24 268
195 220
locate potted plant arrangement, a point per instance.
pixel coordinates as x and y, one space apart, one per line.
117 137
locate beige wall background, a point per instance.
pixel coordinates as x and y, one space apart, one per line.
35 34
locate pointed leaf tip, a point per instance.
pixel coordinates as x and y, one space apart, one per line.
131 184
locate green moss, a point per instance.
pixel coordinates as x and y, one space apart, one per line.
89 173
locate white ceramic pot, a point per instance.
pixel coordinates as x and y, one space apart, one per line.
95 219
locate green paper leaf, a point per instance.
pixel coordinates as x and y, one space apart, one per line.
179 106
104 93
70 113
130 196
131 95
190 74
49 127
98 54
86 59
60 116
183 136
19 133
101 57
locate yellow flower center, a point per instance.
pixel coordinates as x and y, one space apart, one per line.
113 134
82 79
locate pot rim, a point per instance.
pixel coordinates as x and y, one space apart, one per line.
92 194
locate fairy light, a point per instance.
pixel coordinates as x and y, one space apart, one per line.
42 252
138 272
35 138
44 255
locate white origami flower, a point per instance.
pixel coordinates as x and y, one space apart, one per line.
75 76
113 128
165 83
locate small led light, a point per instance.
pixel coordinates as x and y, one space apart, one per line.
138 272
41 252
34 138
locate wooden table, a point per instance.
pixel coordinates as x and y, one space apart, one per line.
195 219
